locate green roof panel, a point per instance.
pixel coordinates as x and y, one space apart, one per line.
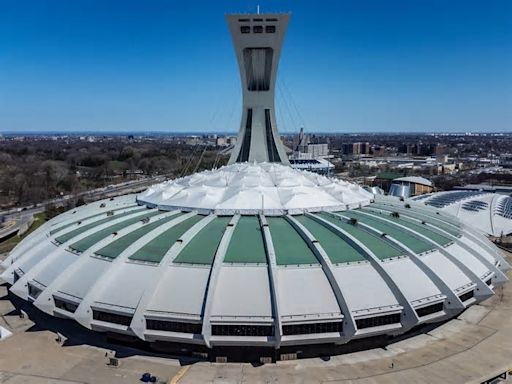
118 246
83 228
415 244
155 250
379 247
88 241
289 246
452 229
203 246
338 250
55 230
247 243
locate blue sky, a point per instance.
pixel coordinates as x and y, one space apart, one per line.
346 66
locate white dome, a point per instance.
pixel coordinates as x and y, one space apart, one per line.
245 188
488 212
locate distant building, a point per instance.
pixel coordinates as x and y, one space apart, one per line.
304 150
361 148
506 160
410 186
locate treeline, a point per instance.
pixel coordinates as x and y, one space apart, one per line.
35 170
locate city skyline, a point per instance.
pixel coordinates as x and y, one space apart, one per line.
169 67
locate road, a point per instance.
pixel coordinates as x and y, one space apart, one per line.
21 215
14 223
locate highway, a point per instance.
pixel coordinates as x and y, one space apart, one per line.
16 217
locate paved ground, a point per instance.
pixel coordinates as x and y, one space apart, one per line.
474 347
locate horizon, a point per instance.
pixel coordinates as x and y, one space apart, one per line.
376 68
233 133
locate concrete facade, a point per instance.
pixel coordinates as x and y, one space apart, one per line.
258 39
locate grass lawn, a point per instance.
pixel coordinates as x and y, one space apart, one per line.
9 244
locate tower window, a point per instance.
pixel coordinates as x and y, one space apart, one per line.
245 29
270 29
257 29
258 68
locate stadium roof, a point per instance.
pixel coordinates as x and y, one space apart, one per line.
489 212
415 180
207 278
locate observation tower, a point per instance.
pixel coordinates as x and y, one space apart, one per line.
258 40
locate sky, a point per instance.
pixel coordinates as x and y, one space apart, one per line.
346 66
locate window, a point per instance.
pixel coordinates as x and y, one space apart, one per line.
243 155
258 67
242 330
257 20
304 329
174 326
271 19
33 291
257 29
378 321
273 155
466 296
428 310
111 318
245 29
65 305
244 20
270 29
489 282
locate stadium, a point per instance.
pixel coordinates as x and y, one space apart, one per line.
492 211
255 259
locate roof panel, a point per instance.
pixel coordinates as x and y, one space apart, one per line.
116 247
79 283
428 232
363 288
380 248
82 228
409 278
155 250
305 293
181 291
104 212
83 244
246 245
415 244
289 246
242 292
202 247
338 250
446 270
52 270
125 285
